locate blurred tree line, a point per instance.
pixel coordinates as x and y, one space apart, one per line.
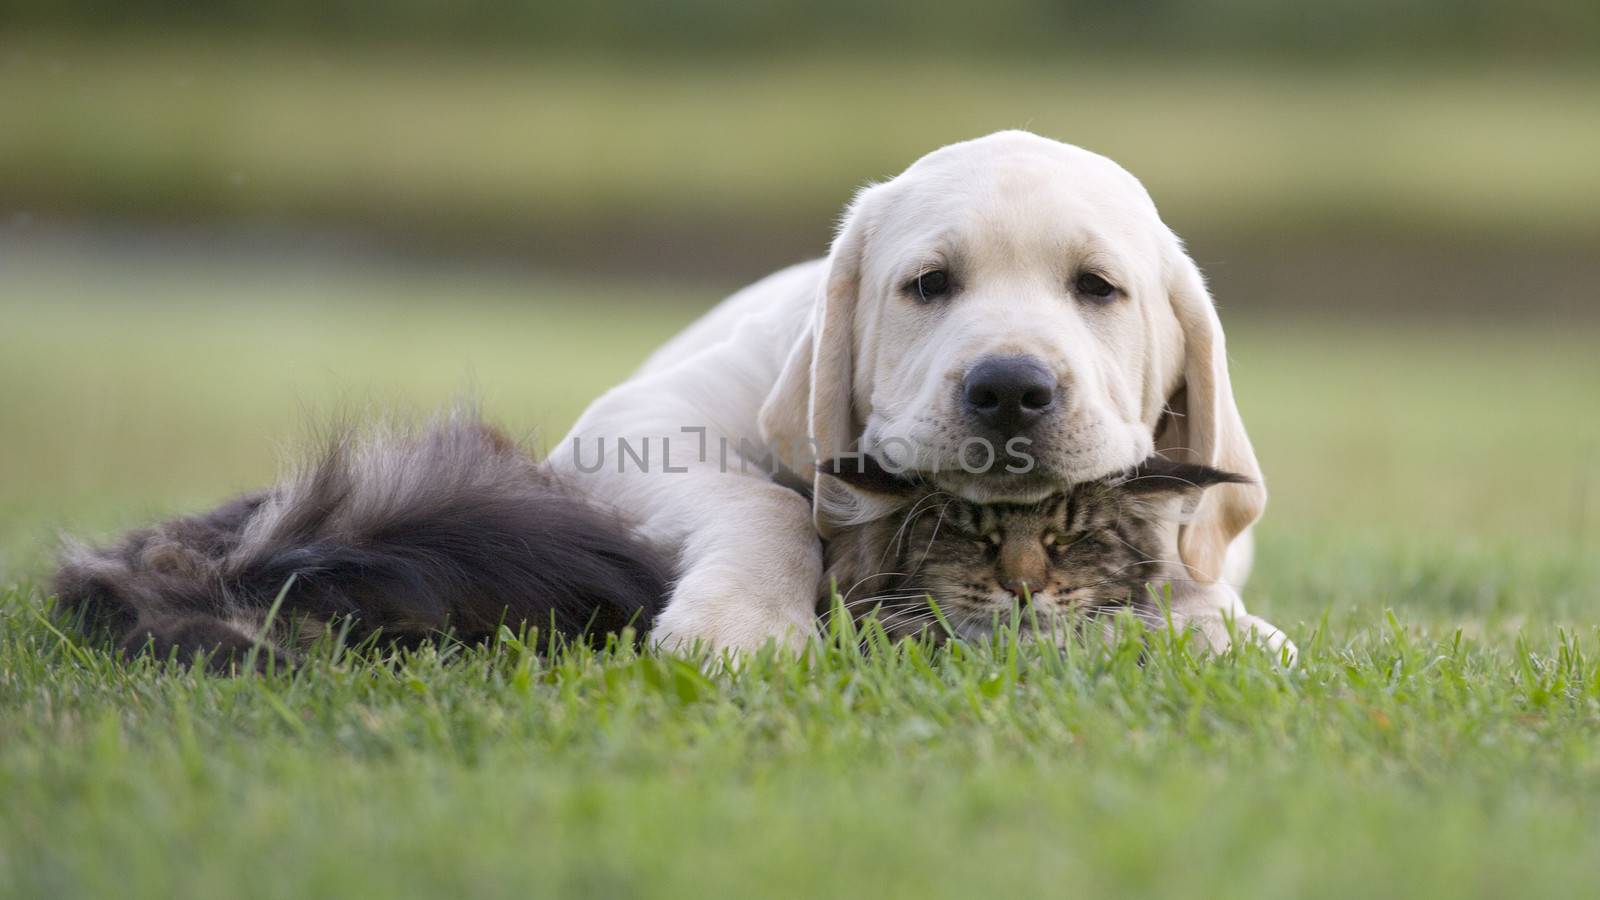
1467 29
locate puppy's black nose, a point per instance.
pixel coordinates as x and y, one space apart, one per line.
1008 394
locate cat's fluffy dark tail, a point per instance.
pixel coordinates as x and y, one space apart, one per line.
407 533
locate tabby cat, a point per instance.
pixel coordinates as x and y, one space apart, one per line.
1097 548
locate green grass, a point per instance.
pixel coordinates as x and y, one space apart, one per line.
234 126
1439 476
1387 765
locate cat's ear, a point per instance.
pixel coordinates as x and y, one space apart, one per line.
1158 477
866 474
861 490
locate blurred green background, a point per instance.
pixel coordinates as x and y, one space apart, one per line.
219 223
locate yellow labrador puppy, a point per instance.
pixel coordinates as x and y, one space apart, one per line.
1007 316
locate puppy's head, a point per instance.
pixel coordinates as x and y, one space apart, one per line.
1007 317
1012 331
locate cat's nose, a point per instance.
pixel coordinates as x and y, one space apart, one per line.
1024 567
1018 588
1008 394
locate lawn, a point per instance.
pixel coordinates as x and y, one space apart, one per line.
1432 546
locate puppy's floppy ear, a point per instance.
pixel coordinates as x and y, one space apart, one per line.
811 404
1203 426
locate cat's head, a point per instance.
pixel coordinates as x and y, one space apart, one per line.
1092 547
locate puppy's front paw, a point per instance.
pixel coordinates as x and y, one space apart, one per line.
726 614
1246 628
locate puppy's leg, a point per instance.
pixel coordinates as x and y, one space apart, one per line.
747 559
749 570
747 556
1209 608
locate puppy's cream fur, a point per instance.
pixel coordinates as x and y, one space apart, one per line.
832 351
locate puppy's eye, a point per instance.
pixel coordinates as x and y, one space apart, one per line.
930 286
1094 287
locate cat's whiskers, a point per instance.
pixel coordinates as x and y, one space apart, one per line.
1117 535
943 510
869 602
845 597
904 614
916 512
